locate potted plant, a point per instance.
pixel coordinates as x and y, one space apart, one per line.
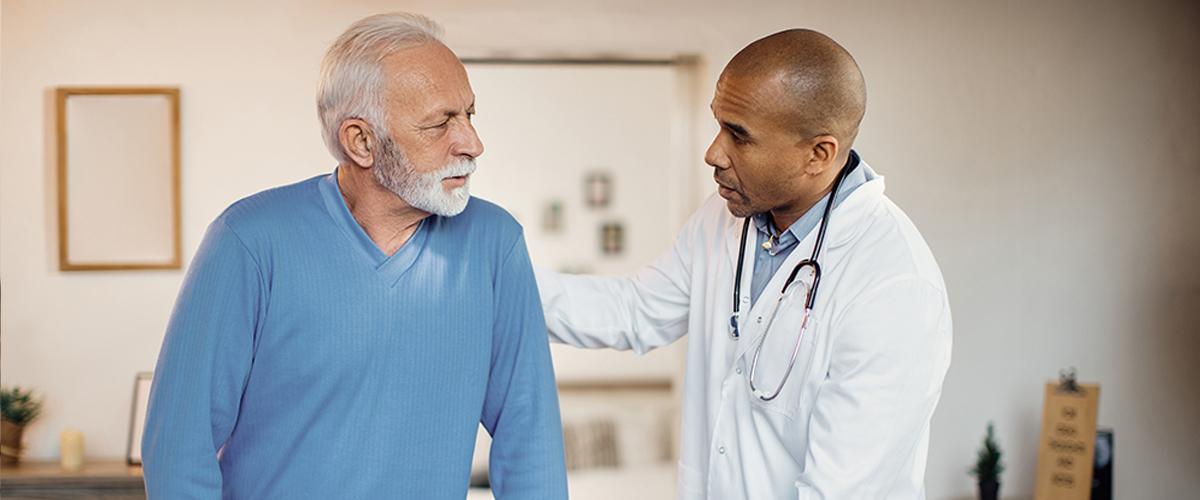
18 408
988 466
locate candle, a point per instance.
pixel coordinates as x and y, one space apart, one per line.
71 449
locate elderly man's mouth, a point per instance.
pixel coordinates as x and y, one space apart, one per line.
456 181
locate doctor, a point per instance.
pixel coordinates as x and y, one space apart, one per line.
792 390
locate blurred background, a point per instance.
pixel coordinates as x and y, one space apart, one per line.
1048 151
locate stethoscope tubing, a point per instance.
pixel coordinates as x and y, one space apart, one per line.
809 300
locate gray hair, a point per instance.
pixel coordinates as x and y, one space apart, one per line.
352 79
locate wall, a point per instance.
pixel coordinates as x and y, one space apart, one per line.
1049 151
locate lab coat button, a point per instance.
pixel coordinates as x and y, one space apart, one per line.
721 450
738 370
760 320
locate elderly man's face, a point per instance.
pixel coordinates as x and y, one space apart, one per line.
429 106
758 159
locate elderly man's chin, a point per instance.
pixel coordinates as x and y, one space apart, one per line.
448 198
458 197
443 192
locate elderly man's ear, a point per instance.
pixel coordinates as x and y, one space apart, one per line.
357 141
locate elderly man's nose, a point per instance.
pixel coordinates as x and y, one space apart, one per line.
471 144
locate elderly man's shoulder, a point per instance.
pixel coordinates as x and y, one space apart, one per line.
275 207
482 214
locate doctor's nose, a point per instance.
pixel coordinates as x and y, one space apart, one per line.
715 157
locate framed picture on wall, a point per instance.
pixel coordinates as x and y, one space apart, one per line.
118 178
552 217
137 417
597 189
612 238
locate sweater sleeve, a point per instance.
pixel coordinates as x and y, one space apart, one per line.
202 369
521 406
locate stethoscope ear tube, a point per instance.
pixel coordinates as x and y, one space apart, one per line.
737 283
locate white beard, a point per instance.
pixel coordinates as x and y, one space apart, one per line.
423 191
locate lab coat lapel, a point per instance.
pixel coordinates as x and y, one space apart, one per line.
733 233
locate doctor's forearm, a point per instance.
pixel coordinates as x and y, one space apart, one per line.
616 313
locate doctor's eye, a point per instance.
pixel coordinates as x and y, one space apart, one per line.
739 135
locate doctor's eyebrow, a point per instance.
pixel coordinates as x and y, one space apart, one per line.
737 130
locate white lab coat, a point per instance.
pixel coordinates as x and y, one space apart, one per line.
853 419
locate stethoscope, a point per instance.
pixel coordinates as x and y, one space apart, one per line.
809 299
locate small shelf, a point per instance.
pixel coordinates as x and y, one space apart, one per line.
107 480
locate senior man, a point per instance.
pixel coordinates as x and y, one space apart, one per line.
792 390
343 337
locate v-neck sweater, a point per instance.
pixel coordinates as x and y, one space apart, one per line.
302 362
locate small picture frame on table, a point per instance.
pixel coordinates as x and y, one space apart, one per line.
137 417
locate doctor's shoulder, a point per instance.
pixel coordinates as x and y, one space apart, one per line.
891 247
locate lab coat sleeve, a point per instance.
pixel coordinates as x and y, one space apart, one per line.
642 312
889 356
202 369
521 405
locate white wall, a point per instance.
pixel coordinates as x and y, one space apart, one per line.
1049 151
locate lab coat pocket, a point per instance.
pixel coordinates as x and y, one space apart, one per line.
776 373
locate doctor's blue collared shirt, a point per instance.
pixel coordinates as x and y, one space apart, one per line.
767 262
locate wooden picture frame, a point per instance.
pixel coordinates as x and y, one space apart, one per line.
118 178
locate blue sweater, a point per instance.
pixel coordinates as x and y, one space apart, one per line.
302 362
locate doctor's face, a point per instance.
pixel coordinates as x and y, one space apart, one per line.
757 157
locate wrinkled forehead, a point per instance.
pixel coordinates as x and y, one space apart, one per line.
429 69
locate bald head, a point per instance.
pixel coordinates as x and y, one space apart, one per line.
812 83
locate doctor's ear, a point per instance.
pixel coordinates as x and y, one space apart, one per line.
822 155
357 141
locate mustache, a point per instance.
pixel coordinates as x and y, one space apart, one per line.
458 168
724 182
